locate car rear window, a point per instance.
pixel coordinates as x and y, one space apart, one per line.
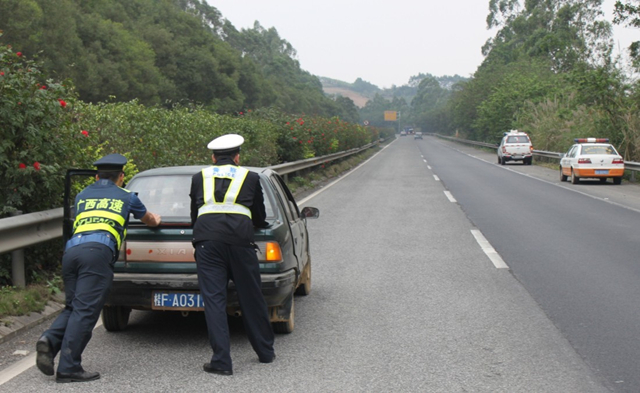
169 196
518 139
589 150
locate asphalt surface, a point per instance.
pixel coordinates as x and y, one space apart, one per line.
574 248
403 300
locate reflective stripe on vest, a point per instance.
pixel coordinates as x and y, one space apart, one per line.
237 175
99 220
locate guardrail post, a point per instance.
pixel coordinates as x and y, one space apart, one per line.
17 263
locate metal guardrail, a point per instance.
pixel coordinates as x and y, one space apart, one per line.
26 230
628 165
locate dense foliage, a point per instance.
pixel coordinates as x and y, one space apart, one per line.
163 52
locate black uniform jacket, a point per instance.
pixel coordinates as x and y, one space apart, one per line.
228 228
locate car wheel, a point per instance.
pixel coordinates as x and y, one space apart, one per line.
563 177
115 318
617 180
528 161
286 327
502 160
499 160
305 283
574 179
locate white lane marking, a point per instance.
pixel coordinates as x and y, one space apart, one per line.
301 202
489 250
450 197
23 365
425 161
436 177
428 166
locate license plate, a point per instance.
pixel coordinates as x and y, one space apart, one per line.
177 301
602 171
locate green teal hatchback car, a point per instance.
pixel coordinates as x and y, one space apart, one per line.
156 269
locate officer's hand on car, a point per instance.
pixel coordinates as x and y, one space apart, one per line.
151 219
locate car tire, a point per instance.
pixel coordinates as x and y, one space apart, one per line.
527 161
305 283
563 177
617 180
115 318
502 160
285 327
574 179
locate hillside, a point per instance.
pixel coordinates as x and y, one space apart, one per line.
358 99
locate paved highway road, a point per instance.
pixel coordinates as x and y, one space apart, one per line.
404 297
573 247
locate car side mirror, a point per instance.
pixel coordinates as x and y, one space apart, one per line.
310 212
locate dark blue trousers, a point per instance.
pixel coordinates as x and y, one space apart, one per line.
87 272
218 262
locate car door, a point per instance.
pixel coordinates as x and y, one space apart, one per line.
566 161
296 223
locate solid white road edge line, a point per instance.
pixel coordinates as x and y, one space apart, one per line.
489 250
23 365
342 177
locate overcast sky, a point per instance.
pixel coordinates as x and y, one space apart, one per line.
382 42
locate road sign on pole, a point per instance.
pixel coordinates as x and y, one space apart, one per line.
390 116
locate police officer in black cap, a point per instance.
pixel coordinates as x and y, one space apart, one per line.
226 204
102 215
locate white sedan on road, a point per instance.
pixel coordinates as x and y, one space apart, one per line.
592 158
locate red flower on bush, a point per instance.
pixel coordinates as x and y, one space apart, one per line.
62 103
19 54
43 87
1 73
36 165
85 132
22 166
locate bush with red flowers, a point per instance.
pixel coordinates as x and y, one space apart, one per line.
36 135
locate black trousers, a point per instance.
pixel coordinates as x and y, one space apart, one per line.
87 272
218 262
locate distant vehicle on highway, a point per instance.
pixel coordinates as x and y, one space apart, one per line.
156 269
515 146
403 133
418 135
592 158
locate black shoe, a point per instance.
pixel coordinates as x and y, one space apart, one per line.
44 356
270 360
82 376
214 370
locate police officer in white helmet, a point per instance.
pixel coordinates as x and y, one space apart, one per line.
226 204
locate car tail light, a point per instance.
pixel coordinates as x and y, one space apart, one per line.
269 252
504 149
617 161
584 160
531 148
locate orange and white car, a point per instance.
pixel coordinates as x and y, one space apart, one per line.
592 158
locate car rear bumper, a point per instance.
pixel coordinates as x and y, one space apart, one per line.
136 290
591 172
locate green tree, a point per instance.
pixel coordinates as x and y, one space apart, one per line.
628 14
